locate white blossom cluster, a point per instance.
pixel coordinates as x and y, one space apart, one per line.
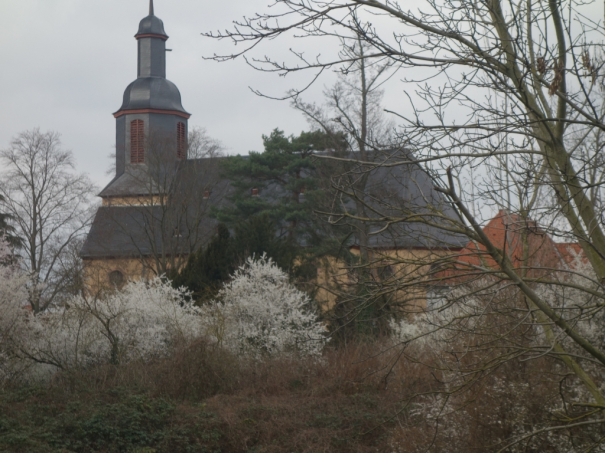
462 322
260 313
579 301
13 315
142 321
438 328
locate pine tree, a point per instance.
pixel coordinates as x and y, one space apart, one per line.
272 212
257 236
7 230
286 184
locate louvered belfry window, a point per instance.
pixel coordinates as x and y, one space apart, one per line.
137 142
180 141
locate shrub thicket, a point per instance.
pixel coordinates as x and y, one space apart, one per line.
362 398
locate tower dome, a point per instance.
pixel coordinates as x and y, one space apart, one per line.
151 25
151 91
151 111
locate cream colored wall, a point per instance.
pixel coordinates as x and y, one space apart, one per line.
96 272
406 287
132 201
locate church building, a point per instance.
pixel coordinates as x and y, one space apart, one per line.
156 210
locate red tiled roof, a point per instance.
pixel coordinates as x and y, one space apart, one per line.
506 232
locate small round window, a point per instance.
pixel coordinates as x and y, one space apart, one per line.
116 278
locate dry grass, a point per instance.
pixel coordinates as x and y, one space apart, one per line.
363 398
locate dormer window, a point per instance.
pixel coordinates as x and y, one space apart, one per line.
255 192
137 142
181 141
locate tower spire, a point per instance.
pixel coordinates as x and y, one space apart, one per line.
151 7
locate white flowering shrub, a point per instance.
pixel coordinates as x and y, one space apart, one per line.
494 376
142 321
579 301
438 329
13 312
260 313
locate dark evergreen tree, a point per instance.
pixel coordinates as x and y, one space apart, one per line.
272 210
209 268
288 185
258 236
7 230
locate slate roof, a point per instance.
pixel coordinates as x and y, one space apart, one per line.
152 93
133 182
128 231
398 188
398 191
151 25
137 231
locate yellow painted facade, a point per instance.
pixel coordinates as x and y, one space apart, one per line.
403 274
98 272
132 201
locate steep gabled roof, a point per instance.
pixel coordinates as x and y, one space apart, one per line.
405 209
404 192
128 231
139 231
506 232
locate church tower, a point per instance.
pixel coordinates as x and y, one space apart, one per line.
154 210
151 109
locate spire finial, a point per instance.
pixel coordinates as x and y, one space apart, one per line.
151 7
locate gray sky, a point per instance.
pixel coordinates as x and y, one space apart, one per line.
65 65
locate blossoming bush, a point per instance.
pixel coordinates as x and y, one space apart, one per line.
260 313
13 316
142 321
496 375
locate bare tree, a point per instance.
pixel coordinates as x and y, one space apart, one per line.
353 108
49 204
202 146
514 86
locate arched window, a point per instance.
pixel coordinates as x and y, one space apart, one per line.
137 142
181 141
116 278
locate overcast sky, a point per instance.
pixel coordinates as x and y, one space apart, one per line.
65 65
